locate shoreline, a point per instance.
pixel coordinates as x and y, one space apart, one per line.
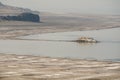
13 36
68 58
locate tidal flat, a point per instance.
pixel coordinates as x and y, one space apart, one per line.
28 67
31 67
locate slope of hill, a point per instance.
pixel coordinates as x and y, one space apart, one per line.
15 13
14 10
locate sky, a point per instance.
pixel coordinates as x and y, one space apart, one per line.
69 6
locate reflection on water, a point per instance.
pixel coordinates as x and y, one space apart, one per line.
107 49
85 44
61 49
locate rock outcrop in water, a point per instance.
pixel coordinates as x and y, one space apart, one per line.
87 40
18 14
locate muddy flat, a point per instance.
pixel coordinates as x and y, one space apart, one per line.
19 67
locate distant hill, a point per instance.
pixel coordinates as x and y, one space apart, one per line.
19 14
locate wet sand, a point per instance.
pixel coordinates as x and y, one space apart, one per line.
19 67
28 67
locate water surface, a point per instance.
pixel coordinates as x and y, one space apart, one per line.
59 45
104 35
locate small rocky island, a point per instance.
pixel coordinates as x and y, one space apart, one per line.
86 40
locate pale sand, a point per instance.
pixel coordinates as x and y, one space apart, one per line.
22 67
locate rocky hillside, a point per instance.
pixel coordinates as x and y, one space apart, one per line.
18 14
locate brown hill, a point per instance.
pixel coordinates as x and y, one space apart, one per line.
5 10
18 14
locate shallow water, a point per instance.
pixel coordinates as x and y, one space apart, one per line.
58 45
105 35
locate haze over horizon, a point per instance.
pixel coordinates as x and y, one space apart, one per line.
109 7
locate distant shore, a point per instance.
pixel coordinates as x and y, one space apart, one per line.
17 30
51 23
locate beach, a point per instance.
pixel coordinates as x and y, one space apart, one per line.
28 67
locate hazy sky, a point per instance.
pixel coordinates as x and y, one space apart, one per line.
74 6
